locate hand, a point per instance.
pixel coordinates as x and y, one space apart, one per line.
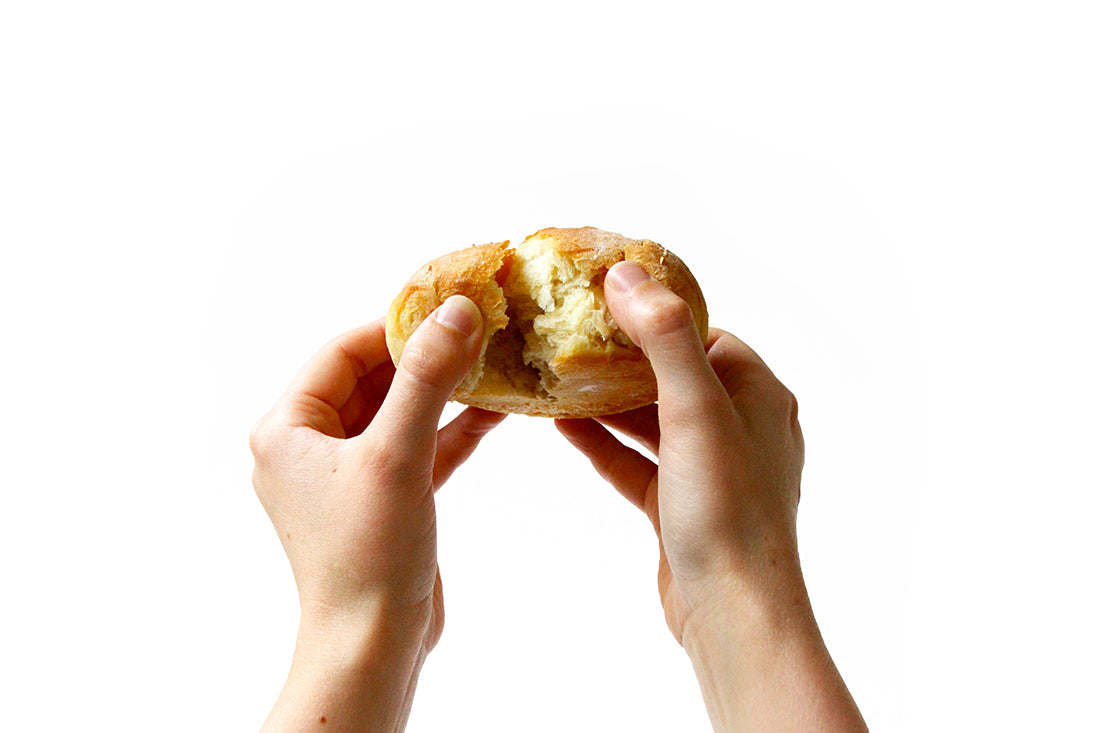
347 463
722 498
724 494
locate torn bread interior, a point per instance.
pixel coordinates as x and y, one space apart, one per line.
550 346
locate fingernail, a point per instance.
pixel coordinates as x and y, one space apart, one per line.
459 313
624 276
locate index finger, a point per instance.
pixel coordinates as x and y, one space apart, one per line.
327 381
734 361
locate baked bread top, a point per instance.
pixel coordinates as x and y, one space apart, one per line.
550 347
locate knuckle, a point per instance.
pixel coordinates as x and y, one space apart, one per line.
724 344
263 442
341 344
783 408
259 439
781 399
716 337
762 397
260 485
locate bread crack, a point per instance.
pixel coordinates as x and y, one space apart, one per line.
550 347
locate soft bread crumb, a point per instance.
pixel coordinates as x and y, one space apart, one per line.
555 311
550 347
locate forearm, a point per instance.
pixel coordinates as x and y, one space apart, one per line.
351 675
762 664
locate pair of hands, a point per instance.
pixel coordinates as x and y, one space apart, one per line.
348 460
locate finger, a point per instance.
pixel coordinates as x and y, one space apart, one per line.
750 383
361 407
435 361
458 439
662 324
624 468
324 385
735 364
640 424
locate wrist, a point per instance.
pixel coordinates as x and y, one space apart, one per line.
759 589
761 662
744 609
376 630
353 669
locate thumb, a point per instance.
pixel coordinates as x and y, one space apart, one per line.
663 326
436 359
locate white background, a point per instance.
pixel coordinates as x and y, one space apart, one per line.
895 204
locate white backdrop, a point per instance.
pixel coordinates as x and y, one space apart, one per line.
896 206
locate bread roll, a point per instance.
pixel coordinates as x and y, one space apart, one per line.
550 347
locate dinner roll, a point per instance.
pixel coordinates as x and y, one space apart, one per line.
551 347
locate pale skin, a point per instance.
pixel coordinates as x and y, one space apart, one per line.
348 460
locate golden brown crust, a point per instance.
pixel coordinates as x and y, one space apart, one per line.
470 272
605 377
596 251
